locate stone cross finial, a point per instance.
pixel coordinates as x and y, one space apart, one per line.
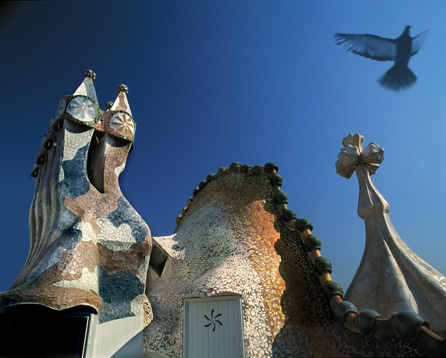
390 277
365 162
352 155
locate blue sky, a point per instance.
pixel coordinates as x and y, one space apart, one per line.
213 82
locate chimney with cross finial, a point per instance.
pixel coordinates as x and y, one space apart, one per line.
390 277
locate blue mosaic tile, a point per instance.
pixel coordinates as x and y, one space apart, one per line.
123 215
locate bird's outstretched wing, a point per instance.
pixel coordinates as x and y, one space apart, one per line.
370 46
418 41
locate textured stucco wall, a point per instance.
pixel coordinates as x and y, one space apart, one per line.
224 244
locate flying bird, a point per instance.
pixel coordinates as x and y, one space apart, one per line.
399 50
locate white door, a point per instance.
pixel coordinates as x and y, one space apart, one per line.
213 328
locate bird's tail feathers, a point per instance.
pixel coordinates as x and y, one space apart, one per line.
398 78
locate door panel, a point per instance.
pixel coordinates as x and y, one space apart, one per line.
213 327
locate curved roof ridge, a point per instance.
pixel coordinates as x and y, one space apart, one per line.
270 170
405 324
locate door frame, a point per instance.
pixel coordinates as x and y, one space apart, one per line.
223 297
